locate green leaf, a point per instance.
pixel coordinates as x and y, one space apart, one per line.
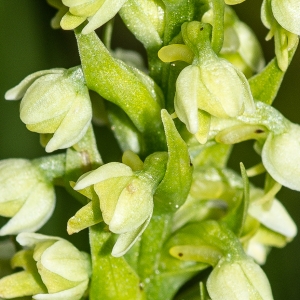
174 188
119 84
113 278
127 135
236 217
265 85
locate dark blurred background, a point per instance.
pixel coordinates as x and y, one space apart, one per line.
28 44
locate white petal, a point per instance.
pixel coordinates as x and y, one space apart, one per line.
35 212
71 130
18 91
64 259
134 206
30 239
126 240
287 14
74 293
281 157
113 169
185 102
106 12
277 218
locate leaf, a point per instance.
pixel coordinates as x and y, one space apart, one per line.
118 83
174 188
113 278
235 219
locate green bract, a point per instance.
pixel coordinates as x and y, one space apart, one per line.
50 100
26 196
53 269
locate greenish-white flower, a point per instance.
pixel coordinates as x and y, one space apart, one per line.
281 157
287 14
282 18
238 279
211 84
276 227
26 197
126 197
55 102
97 12
53 269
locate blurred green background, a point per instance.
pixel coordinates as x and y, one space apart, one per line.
28 44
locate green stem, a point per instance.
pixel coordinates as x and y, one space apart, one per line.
113 278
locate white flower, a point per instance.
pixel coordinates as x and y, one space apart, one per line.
55 102
281 157
211 84
25 196
238 280
126 197
57 270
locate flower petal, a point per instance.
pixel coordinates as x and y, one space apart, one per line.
281 157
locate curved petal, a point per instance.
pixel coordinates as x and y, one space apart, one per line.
106 12
134 206
35 212
287 14
277 218
126 240
19 90
109 170
64 259
281 157
185 102
71 294
71 130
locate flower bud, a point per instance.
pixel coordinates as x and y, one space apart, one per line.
54 269
282 18
238 279
55 102
25 196
96 12
281 157
126 196
210 84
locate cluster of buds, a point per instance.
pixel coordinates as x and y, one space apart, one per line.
53 269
